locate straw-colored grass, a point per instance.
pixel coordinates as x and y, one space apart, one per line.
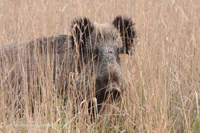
163 74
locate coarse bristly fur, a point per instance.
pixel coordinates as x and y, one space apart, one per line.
90 53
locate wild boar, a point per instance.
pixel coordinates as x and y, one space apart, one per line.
90 54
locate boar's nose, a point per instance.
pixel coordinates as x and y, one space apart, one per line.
111 74
113 91
108 85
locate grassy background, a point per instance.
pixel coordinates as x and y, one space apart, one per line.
162 76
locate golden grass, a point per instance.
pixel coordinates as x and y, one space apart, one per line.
162 76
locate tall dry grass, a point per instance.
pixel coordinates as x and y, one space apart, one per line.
162 76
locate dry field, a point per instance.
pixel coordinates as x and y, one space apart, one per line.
162 75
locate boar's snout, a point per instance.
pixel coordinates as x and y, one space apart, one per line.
109 78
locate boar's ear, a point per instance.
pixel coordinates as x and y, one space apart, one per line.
80 31
126 29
